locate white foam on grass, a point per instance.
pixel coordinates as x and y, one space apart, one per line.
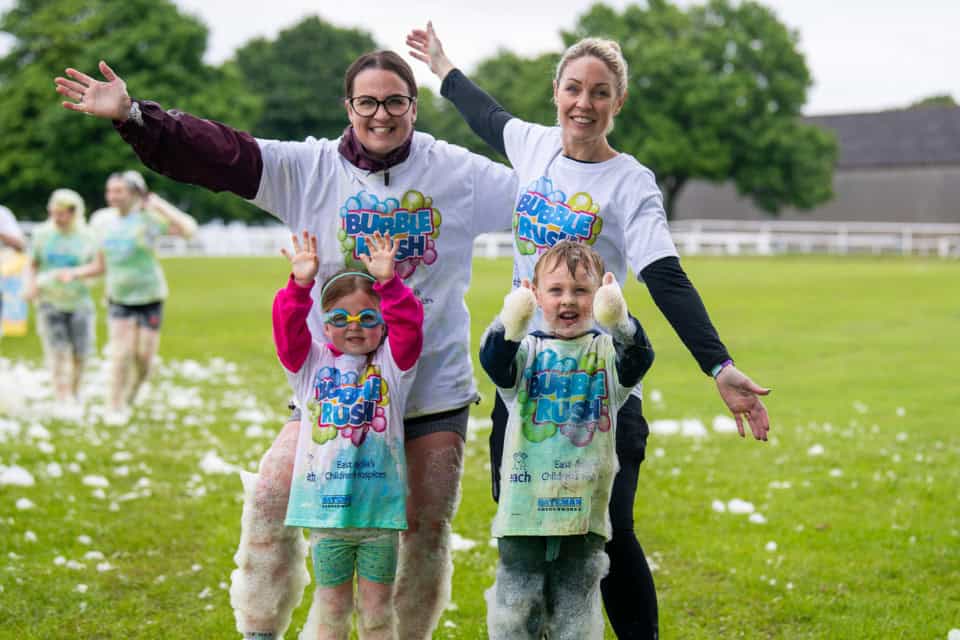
16 476
459 543
212 464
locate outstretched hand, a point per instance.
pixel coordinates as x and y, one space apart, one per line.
102 99
304 262
379 261
426 47
742 397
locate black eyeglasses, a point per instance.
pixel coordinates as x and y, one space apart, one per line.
366 106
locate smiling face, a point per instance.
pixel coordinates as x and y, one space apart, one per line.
566 298
354 339
586 99
119 195
381 133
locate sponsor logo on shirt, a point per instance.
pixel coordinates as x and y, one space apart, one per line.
560 504
411 220
544 216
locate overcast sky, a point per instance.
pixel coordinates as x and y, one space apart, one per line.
864 55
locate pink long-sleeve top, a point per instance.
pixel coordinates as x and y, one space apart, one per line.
402 313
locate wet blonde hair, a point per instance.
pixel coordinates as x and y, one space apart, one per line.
606 51
68 199
573 254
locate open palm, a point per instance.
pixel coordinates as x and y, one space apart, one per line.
107 99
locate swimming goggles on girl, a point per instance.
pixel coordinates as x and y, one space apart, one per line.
368 318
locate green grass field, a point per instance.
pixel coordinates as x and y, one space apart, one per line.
858 487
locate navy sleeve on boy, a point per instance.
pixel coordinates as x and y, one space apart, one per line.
498 356
634 357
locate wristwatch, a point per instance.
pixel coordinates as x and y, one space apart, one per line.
134 113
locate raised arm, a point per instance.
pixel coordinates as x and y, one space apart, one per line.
680 303
402 311
478 108
501 341
181 224
291 305
176 144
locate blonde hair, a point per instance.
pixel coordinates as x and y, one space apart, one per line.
606 51
573 254
69 199
133 179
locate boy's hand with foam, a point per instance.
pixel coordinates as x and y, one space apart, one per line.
610 308
518 308
304 262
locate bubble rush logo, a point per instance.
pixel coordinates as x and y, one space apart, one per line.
411 220
343 403
545 216
566 395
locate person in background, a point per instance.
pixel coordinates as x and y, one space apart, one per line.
135 284
65 311
11 236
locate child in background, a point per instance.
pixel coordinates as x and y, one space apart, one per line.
65 311
349 478
563 388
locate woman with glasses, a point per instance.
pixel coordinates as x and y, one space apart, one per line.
379 176
571 178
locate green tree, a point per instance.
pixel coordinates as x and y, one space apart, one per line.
715 93
299 78
158 52
942 100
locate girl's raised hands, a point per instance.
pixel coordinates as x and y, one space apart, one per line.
87 95
382 251
304 262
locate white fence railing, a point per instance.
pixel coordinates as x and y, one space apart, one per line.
692 237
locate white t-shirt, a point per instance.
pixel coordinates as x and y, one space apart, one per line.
9 226
350 471
615 206
438 200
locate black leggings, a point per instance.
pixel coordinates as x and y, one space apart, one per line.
629 595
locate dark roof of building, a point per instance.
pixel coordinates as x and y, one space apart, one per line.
911 137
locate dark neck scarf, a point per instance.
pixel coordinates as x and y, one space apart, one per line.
353 151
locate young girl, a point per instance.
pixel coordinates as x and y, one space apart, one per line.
349 479
563 388
65 311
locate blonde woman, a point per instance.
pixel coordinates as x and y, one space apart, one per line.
65 311
135 284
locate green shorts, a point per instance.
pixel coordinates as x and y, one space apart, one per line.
373 557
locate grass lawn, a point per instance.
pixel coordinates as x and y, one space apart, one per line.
854 531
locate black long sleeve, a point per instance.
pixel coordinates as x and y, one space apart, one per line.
634 356
497 355
680 303
478 108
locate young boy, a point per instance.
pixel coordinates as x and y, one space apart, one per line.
563 387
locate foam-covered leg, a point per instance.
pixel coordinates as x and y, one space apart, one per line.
147 345
61 373
516 603
122 336
574 590
271 569
330 613
377 619
425 568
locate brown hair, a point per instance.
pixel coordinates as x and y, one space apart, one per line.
339 285
383 59
572 253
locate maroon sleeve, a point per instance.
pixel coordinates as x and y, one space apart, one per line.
291 306
193 150
403 313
